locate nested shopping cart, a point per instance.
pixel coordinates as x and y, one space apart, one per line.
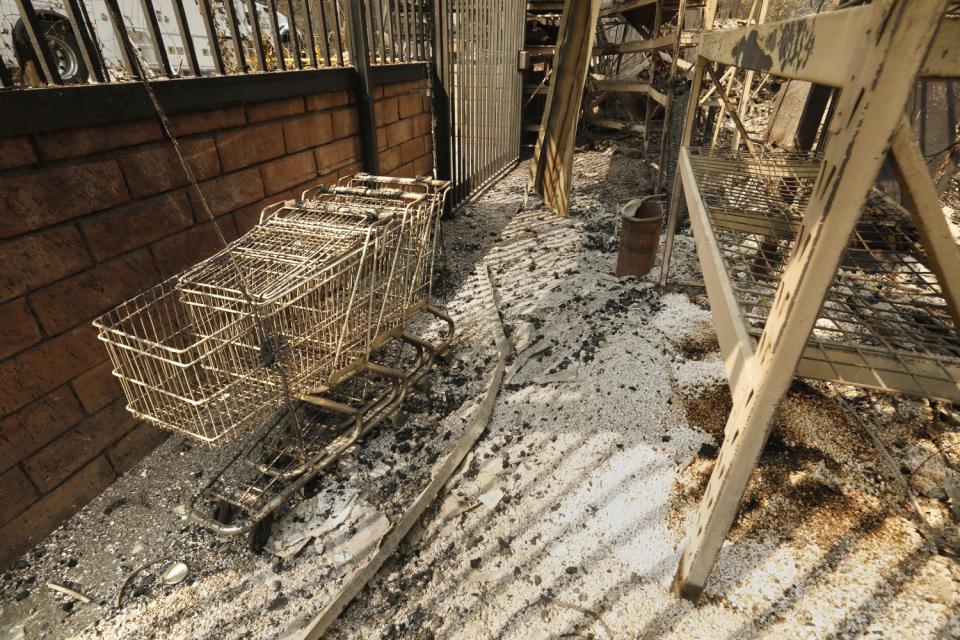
294 335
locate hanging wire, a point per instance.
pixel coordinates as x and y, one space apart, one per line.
242 282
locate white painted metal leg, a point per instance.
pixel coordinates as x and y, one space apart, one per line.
894 45
689 119
922 200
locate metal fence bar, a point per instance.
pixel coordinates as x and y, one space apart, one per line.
381 52
254 18
211 27
397 37
5 79
184 27
360 56
336 36
369 31
323 41
80 23
48 66
394 31
417 30
120 30
275 32
155 36
477 89
231 11
388 17
408 6
441 101
311 45
293 37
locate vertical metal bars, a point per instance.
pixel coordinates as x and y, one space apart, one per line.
184 27
275 32
235 41
80 24
154 27
475 51
293 36
120 30
396 31
254 19
360 55
311 44
211 26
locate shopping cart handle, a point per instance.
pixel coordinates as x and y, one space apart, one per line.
271 210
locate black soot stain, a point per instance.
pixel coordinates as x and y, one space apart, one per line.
795 44
749 53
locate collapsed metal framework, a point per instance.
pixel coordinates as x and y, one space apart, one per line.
808 272
620 63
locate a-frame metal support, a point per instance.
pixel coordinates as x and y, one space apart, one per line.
895 42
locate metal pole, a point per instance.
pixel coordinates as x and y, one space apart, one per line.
83 34
361 62
187 38
154 27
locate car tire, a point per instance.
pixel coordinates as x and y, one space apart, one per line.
62 44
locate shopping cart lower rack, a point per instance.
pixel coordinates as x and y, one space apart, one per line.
295 335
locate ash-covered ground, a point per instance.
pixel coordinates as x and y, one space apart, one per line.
567 518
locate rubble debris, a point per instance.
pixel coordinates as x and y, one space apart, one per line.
175 573
53 586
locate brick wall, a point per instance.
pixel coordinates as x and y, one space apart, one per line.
403 116
91 217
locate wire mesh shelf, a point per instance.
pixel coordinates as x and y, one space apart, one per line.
884 323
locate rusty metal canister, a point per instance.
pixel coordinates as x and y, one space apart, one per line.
639 236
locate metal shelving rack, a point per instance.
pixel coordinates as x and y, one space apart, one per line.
808 270
663 28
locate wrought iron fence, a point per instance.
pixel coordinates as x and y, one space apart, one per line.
56 42
399 30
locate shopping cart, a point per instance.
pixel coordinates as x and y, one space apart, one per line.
297 333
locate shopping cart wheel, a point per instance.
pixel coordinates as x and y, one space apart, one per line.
258 536
400 418
223 512
423 386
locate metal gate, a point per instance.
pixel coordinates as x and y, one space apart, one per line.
477 90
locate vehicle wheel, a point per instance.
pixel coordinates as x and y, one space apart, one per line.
63 48
258 536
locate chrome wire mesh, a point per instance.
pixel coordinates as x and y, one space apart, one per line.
203 380
312 291
315 288
884 322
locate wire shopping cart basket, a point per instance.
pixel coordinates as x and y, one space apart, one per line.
205 380
293 334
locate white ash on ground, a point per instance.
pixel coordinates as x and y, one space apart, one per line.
232 592
604 434
567 518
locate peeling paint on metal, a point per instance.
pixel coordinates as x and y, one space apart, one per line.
750 54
